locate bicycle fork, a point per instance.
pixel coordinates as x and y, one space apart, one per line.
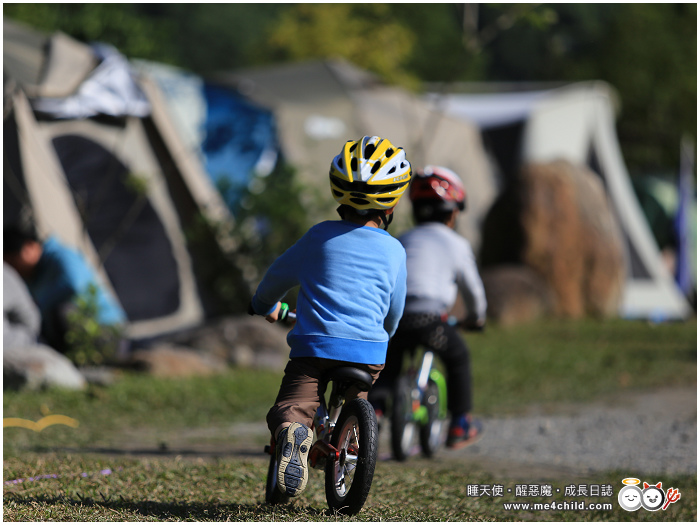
324 423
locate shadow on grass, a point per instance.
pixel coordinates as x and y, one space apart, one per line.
181 511
162 451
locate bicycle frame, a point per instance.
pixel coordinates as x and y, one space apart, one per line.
424 372
324 423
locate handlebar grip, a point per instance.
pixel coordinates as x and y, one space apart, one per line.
284 312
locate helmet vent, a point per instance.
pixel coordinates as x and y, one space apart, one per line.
369 150
389 152
352 148
353 164
376 167
340 163
359 202
337 193
392 170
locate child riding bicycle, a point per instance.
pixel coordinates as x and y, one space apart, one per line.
352 279
439 264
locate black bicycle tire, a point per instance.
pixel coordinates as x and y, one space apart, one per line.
273 496
401 417
361 413
429 442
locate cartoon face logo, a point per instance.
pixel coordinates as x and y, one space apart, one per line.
652 497
630 498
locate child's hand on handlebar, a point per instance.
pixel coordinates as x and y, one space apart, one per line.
273 316
473 324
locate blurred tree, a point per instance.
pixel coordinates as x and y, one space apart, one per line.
648 52
216 37
121 25
368 35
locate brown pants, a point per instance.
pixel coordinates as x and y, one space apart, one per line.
299 394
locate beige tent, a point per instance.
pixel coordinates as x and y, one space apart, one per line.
575 122
319 105
107 176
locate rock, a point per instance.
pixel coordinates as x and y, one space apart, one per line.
243 341
164 360
37 367
98 375
557 221
516 294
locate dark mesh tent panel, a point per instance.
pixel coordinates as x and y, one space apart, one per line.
124 228
14 190
505 144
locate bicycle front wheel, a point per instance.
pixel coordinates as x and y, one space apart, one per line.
349 478
431 431
403 428
273 496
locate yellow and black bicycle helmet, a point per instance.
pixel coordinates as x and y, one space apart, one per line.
370 174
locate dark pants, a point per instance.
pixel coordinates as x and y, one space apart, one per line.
430 331
300 393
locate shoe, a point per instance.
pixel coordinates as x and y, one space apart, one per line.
464 433
293 444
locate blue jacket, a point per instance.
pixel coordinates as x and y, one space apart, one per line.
61 276
352 291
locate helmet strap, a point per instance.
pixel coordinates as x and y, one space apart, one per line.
386 220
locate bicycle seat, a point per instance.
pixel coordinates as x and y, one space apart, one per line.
350 374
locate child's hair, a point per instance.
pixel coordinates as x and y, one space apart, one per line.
349 213
14 237
429 211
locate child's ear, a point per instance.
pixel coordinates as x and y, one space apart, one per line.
389 211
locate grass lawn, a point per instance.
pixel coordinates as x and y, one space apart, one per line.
542 363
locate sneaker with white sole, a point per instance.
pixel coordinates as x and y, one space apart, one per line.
293 444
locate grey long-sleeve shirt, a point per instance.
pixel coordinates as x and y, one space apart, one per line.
440 263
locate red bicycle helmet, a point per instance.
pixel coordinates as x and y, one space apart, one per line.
439 187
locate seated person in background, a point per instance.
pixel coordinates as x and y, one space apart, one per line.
59 279
20 316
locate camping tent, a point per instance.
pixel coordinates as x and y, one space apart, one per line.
576 123
91 156
318 105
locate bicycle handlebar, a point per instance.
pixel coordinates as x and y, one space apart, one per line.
286 313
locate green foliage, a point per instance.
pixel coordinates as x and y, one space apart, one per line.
647 52
367 35
88 342
271 214
121 25
137 184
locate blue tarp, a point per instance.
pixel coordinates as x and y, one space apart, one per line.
239 141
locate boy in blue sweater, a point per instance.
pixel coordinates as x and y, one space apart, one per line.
352 279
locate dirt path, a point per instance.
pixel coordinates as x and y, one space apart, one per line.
650 432
639 433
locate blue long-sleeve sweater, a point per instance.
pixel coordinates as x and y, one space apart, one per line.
352 291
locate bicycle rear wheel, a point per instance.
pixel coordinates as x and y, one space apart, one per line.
430 432
273 496
403 428
349 478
